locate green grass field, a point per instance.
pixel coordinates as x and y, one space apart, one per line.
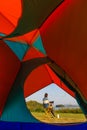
63 118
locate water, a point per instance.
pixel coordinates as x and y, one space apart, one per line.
67 106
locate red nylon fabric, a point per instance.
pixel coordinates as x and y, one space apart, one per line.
57 81
5 26
64 37
28 38
54 33
32 53
9 67
41 76
36 81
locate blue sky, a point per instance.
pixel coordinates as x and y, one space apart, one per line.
55 94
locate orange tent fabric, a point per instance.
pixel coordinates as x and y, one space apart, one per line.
9 15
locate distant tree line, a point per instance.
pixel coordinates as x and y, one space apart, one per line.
69 110
35 106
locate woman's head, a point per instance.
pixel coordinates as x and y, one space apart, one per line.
46 95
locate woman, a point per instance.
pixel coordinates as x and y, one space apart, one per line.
45 101
48 106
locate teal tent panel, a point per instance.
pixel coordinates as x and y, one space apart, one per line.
1 34
18 48
38 44
15 109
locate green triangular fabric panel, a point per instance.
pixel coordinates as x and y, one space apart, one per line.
34 13
18 48
1 34
38 44
15 109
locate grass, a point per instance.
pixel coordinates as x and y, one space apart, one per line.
63 118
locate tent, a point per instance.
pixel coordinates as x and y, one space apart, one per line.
41 39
